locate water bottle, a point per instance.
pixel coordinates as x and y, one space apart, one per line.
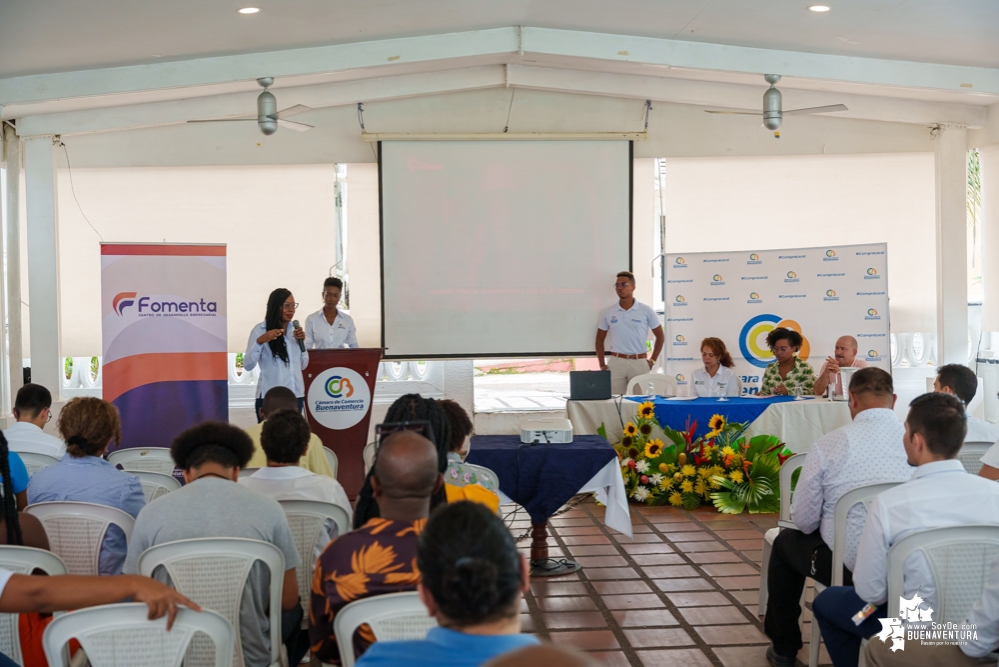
652 388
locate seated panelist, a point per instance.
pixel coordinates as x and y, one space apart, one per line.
844 356
789 374
717 377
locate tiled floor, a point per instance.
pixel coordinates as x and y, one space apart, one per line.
683 591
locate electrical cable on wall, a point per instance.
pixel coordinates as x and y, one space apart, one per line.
509 110
648 108
73 188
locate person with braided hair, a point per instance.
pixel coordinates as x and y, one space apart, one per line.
410 408
89 426
472 579
277 346
17 529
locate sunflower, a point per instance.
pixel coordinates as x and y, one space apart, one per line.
626 441
646 409
686 486
633 452
675 499
736 476
688 470
630 429
646 429
716 424
653 449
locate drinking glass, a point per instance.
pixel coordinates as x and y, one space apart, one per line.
720 391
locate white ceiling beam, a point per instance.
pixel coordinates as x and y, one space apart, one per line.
721 57
511 41
735 96
319 96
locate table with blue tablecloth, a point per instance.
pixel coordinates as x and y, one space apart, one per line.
543 477
798 423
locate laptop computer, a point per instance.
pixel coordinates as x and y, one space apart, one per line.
589 385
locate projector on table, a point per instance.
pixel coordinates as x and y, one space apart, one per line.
546 430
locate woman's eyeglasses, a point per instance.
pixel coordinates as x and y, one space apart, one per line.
290 306
420 426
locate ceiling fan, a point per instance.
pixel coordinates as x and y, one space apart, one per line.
772 112
267 117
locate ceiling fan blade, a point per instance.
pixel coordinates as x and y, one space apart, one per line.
224 120
829 109
292 125
293 111
735 113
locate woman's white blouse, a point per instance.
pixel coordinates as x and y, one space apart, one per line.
273 371
705 385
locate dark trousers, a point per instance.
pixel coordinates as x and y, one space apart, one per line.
794 556
833 610
259 403
295 639
7 662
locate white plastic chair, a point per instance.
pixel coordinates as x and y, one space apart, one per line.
35 462
394 616
156 484
146 459
331 459
970 455
793 463
664 385
120 635
484 473
306 519
22 560
76 531
861 495
246 472
212 572
370 450
960 559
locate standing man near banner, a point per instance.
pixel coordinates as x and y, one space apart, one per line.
629 321
281 360
329 328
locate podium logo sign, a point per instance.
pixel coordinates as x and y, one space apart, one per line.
338 398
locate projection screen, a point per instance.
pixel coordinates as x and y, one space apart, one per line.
500 248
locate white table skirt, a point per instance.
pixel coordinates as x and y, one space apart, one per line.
797 423
608 487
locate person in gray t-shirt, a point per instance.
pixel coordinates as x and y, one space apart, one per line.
212 505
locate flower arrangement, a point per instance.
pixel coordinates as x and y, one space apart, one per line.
680 470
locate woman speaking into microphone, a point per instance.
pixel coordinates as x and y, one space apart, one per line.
277 346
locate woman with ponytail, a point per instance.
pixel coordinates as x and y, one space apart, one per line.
88 426
471 579
17 529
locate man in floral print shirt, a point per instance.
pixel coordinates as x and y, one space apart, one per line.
788 372
380 556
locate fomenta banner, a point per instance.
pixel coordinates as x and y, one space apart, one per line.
740 297
164 329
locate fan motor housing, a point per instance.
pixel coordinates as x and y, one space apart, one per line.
266 112
772 108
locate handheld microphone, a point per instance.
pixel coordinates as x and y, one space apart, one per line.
301 343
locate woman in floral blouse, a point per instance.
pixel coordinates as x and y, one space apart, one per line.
457 473
788 372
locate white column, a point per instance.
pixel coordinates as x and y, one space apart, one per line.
12 247
990 236
952 250
43 262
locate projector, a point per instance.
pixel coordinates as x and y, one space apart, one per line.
546 430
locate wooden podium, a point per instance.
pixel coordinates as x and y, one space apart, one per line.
339 387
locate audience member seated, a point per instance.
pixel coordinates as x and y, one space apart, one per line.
717 370
275 400
788 374
962 382
26 594
844 356
939 495
984 617
33 410
471 579
543 655
868 451
212 504
380 556
461 428
16 528
89 425
284 439
430 419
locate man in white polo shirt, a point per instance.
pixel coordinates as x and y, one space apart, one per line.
33 409
628 322
329 327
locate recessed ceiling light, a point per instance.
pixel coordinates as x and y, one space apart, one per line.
819 8
249 10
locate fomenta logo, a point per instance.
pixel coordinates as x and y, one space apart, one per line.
148 306
121 301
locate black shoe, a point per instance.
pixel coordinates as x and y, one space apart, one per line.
780 660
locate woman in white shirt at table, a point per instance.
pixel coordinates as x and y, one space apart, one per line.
328 328
277 345
717 371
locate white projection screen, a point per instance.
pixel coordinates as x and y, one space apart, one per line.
500 248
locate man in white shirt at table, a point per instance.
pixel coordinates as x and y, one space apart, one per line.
33 409
940 494
844 356
329 327
628 322
867 451
961 381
